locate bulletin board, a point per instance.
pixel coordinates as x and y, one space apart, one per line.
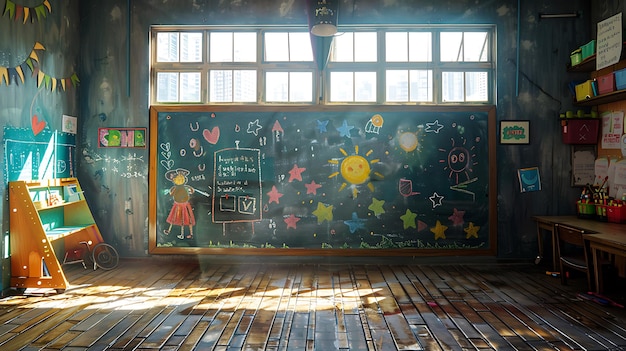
382 180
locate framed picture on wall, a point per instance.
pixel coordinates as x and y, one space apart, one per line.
514 132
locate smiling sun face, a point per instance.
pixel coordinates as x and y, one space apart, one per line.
355 170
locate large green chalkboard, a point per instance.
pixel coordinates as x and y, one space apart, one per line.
340 181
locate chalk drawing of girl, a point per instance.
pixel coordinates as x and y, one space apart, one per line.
181 213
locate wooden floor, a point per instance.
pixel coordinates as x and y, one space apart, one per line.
179 304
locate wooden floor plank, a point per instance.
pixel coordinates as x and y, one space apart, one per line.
200 305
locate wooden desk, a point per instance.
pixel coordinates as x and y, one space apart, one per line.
613 243
548 223
603 236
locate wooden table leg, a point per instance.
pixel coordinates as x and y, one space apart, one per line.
550 228
597 270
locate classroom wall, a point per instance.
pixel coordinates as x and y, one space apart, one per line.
107 44
48 40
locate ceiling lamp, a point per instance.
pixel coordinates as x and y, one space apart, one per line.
324 18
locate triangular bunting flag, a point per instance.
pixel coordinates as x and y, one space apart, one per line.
9 8
40 77
75 80
41 12
26 14
47 80
29 63
38 46
15 11
34 56
63 84
20 71
4 75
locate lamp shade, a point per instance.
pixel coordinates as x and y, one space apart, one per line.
324 18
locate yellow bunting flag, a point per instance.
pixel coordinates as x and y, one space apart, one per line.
4 75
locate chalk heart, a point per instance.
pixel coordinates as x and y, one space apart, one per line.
165 146
37 125
212 136
167 164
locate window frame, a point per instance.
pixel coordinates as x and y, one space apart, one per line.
321 79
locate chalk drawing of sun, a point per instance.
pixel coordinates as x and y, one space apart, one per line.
459 160
410 141
355 170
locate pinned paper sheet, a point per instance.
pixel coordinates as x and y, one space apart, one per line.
619 180
601 170
612 129
583 162
611 180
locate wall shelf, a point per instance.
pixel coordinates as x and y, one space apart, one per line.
603 99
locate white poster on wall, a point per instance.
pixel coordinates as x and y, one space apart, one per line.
612 129
609 41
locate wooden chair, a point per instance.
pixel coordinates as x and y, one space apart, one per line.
574 253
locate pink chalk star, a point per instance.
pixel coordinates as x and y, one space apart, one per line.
291 221
296 173
274 195
312 187
457 217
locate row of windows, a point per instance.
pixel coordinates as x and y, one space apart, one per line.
264 66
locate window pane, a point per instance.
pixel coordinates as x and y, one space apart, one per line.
221 47
452 86
451 50
221 86
167 47
167 87
365 86
420 47
277 86
421 85
476 46
190 47
301 87
190 87
245 86
232 47
365 47
276 47
341 86
244 47
288 47
300 48
396 47
477 86
397 85
343 48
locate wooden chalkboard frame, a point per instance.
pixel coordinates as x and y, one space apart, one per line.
154 151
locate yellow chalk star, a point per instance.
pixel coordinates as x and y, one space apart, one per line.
323 213
471 230
439 230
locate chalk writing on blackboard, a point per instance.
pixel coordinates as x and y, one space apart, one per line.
236 185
